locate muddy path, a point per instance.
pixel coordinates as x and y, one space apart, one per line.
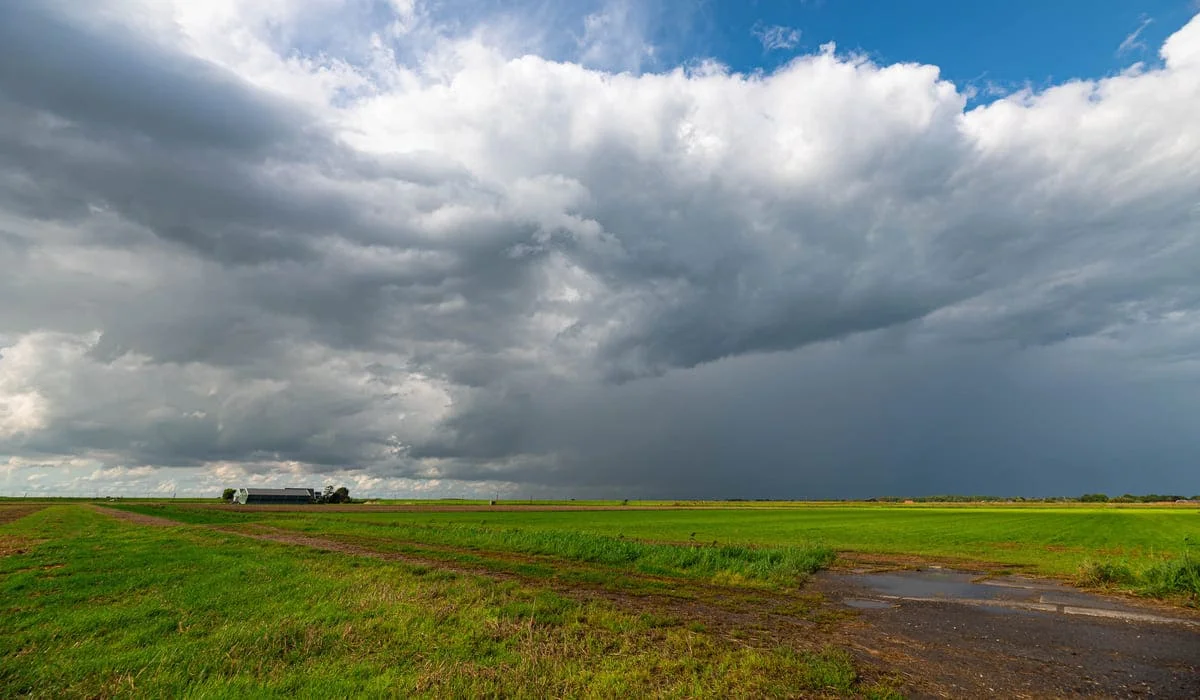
966 635
961 634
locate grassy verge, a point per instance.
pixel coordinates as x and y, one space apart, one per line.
95 607
1170 578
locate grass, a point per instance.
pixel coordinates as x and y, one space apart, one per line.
1170 578
1050 540
781 564
1138 549
94 607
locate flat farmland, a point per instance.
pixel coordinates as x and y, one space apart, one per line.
1046 540
703 600
99 606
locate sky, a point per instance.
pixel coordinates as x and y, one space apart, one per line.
818 249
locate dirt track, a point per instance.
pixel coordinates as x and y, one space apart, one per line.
937 648
961 648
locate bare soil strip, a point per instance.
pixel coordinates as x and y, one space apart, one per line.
137 517
10 545
10 513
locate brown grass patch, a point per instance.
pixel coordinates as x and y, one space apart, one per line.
137 517
10 513
870 562
11 545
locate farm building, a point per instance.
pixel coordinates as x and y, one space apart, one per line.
253 496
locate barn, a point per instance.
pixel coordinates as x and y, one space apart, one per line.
263 496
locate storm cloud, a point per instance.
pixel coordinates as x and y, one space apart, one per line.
415 255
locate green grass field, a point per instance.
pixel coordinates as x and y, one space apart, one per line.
95 607
1054 541
534 603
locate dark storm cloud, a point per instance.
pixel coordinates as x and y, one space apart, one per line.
842 421
176 144
118 81
201 159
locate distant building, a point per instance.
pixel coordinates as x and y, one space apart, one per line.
264 496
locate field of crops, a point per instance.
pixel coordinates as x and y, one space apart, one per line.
163 599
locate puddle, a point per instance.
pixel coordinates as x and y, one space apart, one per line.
1013 610
956 585
934 584
866 604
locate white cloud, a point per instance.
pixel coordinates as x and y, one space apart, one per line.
1132 41
1181 51
614 37
20 413
777 37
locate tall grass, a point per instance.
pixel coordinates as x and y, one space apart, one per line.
775 564
779 564
1160 579
1173 577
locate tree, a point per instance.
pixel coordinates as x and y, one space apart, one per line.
1093 498
227 495
331 495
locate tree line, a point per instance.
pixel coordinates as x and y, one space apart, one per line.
1085 498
